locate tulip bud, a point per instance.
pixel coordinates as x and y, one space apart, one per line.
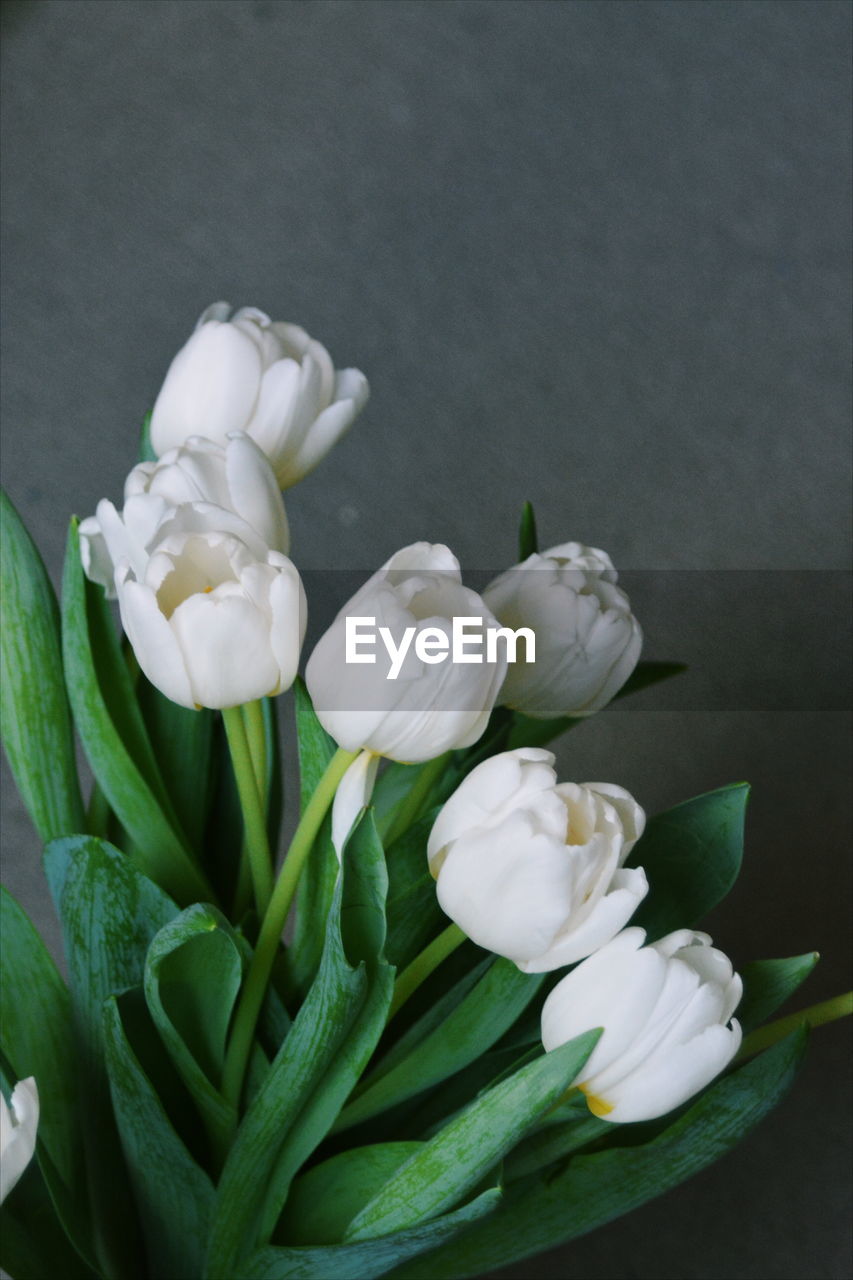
212 623
267 378
234 483
533 869
409 707
587 639
18 1124
665 1009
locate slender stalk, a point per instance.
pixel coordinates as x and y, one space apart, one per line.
260 859
414 802
815 1016
253 720
425 964
254 989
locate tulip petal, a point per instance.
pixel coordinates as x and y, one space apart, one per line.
210 388
631 816
353 794
253 491
612 913
226 649
669 1080
271 423
288 618
154 643
95 557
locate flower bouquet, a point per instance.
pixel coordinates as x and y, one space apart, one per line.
469 1016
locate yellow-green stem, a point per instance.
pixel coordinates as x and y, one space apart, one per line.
254 988
814 1016
254 821
425 964
253 719
415 799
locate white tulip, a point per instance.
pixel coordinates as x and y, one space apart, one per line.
427 706
270 379
666 1011
18 1124
233 483
213 623
533 869
587 639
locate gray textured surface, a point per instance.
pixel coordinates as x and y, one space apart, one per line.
593 254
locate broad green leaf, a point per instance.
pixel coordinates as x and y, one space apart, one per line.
371 1258
193 972
36 1037
182 743
555 1142
175 1197
528 543
414 916
36 723
33 1245
767 984
323 1201
275 771
109 913
114 736
447 1168
691 855
317 883
472 1027
323 1055
559 1204
527 732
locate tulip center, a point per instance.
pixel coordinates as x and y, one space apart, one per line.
597 1106
198 570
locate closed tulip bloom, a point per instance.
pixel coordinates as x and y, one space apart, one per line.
430 705
212 623
587 639
18 1124
233 483
666 1010
267 378
532 869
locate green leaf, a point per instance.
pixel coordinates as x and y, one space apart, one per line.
767 984
146 449
174 1196
528 543
36 1036
323 1201
114 737
472 1027
691 855
109 913
448 1167
373 1257
193 972
317 882
36 1039
527 732
182 743
557 1205
414 916
323 1055
36 723
33 1244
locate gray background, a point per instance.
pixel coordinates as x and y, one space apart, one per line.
594 254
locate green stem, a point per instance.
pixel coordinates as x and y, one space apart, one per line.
814 1016
254 989
413 803
254 822
425 964
253 720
